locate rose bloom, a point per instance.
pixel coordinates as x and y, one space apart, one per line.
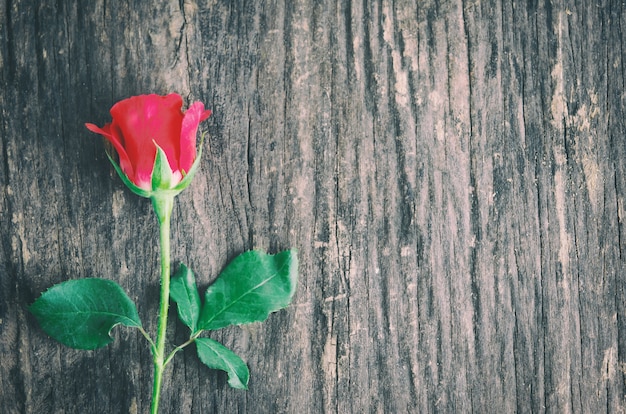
141 123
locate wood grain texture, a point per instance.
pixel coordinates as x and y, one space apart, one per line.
453 174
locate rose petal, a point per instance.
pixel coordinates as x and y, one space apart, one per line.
189 129
115 138
146 119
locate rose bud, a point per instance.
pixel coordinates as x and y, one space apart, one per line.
155 142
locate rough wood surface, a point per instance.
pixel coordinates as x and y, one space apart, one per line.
453 174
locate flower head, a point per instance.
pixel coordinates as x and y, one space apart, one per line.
155 141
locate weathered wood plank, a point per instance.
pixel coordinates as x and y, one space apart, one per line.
452 173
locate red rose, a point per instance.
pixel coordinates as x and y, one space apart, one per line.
147 126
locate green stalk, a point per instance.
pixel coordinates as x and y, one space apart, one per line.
163 209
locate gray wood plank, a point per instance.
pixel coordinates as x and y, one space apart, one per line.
453 175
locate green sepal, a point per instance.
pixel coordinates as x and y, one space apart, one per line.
135 189
160 183
184 292
188 175
81 313
217 356
161 172
251 287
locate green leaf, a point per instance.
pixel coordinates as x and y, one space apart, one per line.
184 292
252 286
217 356
81 313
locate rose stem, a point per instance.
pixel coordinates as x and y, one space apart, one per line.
163 208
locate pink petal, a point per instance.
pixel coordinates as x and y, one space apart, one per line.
115 138
146 119
189 129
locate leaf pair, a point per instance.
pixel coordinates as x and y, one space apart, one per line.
251 287
81 313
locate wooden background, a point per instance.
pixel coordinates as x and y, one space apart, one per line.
452 173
